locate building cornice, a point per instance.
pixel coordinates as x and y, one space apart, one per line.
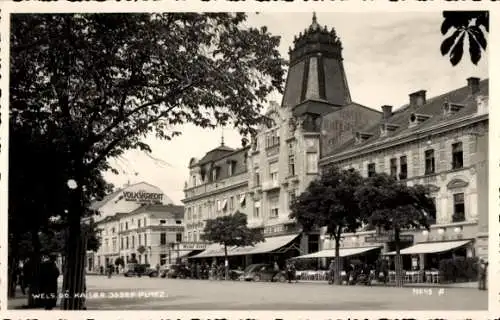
216 191
413 136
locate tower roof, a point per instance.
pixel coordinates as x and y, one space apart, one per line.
316 72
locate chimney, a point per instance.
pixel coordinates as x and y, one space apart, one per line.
473 84
417 98
386 112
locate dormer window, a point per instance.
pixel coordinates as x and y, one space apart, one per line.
451 108
231 165
417 118
387 128
215 173
362 136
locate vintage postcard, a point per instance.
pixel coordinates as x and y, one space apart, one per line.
306 164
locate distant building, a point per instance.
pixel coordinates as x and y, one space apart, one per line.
137 220
440 142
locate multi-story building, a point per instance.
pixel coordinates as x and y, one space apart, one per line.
137 220
284 157
217 186
441 143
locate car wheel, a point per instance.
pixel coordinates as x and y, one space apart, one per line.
153 275
282 278
256 278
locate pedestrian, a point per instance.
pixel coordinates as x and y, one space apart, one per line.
385 270
483 265
289 270
197 271
331 272
49 273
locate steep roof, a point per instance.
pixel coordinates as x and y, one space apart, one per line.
432 108
215 154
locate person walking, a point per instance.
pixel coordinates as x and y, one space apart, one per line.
483 265
49 273
331 272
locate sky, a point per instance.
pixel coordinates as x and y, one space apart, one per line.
386 57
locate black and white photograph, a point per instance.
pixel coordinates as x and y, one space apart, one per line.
255 161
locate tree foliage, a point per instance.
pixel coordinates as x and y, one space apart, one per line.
231 231
459 26
330 202
91 86
394 206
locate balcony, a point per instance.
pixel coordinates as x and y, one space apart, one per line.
216 186
270 185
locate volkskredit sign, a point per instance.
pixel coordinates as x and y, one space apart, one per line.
142 196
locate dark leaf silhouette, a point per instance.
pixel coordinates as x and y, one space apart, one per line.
473 23
445 26
474 49
449 42
458 50
478 36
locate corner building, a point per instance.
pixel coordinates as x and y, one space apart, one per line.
217 186
140 220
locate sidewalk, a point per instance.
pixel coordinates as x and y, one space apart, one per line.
468 285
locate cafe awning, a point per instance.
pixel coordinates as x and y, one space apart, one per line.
212 250
270 244
343 252
432 247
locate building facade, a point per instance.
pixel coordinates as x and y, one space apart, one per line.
217 186
284 157
441 143
137 220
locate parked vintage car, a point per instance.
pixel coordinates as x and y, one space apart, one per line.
178 271
263 272
139 270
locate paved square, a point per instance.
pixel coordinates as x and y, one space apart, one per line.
172 294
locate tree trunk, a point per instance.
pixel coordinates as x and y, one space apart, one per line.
13 265
34 277
73 281
338 262
398 263
226 264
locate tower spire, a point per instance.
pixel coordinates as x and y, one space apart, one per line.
314 24
222 138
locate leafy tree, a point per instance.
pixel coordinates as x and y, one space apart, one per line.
231 231
37 176
330 202
96 84
394 206
472 25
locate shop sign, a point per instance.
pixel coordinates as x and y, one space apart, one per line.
191 246
389 238
143 196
